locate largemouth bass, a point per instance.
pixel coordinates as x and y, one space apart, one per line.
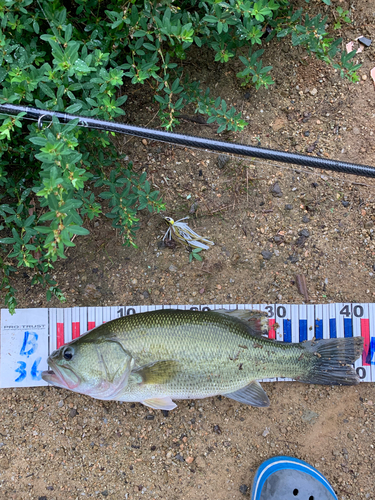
156 357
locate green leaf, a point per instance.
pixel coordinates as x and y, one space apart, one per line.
78 230
43 229
47 90
74 108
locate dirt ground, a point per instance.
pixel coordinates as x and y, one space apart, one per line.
59 445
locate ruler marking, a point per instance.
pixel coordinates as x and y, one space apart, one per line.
60 336
348 327
365 332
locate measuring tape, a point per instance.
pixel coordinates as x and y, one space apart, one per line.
30 335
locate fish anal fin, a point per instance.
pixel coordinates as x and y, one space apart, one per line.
165 403
257 321
159 372
253 394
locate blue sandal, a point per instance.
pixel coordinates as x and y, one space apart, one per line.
287 478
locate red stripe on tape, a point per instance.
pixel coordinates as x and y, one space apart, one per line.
91 325
59 334
75 330
365 332
271 331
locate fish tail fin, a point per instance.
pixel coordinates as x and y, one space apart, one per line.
331 361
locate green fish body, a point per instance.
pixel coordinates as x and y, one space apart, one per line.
159 356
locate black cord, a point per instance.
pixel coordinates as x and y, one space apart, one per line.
197 142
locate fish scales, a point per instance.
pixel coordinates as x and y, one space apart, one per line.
173 354
207 348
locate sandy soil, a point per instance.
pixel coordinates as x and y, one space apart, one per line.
57 445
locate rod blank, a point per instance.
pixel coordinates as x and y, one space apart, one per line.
197 142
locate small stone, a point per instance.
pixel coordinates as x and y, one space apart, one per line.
73 412
105 493
278 239
305 233
60 404
222 160
368 224
189 460
92 293
309 416
266 254
356 131
217 429
313 91
145 294
200 462
243 489
276 190
345 204
293 258
350 436
134 281
144 142
179 457
288 206
307 199
201 291
150 417
266 432
278 124
364 77
4 463
306 133
305 219
172 268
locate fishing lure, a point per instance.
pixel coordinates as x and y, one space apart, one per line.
185 235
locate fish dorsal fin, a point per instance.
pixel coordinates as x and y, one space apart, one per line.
253 394
257 321
165 403
158 372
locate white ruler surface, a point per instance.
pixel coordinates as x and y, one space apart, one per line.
30 335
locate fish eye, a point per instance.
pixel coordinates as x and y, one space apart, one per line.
68 353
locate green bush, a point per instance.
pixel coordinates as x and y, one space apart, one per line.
74 58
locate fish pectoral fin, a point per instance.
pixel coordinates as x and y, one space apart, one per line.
257 321
158 372
160 403
252 394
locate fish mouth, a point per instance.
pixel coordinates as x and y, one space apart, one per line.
55 377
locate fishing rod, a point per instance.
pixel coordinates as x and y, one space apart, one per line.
192 141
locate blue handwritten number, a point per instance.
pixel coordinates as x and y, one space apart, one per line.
35 373
21 370
30 344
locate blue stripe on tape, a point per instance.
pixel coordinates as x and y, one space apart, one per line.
287 324
348 327
318 328
332 328
302 330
